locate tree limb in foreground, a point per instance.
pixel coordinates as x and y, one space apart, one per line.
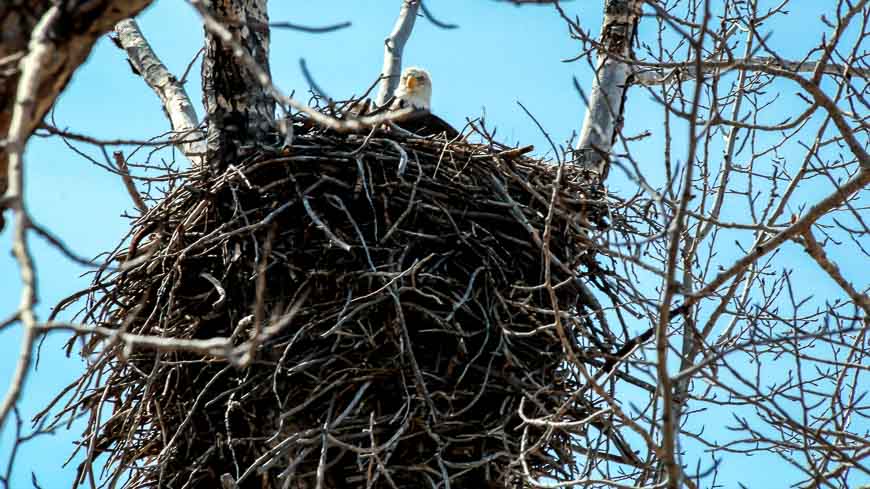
83 24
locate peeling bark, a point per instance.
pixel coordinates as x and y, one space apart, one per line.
239 108
176 103
80 25
604 115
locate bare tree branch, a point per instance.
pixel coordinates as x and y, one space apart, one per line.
529 2
129 184
173 96
84 24
25 113
394 46
832 201
310 29
815 250
650 74
431 18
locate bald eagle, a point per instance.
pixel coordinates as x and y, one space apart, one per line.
415 91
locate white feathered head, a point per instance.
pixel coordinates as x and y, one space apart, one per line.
415 88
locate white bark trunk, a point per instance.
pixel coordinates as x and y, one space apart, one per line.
603 119
176 103
394 45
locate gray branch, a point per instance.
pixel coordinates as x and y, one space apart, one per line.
657 74
176 103
394 45
610 84
33 68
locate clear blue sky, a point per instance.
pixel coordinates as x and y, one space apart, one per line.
500 55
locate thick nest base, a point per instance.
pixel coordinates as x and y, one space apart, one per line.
348 312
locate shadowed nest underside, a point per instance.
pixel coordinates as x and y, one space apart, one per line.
352 311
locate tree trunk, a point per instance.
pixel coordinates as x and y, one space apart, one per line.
394 46
603 119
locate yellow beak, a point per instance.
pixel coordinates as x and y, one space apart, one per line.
411 83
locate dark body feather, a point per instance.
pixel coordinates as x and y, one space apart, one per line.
425 123
421 122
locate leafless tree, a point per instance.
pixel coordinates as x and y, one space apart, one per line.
750 184
732 332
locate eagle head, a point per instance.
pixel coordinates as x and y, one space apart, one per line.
415 88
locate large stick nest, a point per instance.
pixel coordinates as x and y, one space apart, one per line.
367 310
